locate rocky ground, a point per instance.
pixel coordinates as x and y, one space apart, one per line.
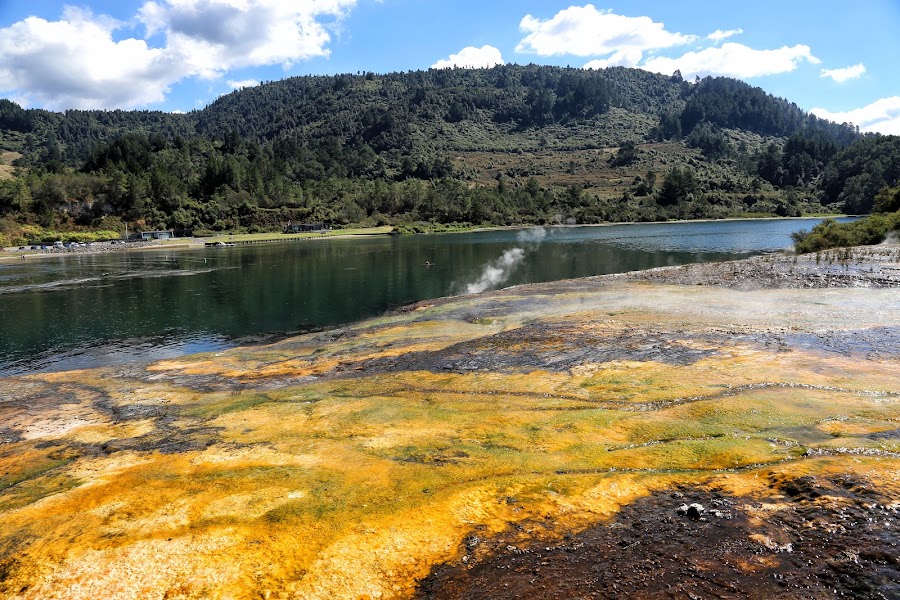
866 266
809 537
710 431
37 251
815 537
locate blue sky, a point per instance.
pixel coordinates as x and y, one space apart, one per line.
835 58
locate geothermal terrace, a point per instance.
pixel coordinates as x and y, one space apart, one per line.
726 430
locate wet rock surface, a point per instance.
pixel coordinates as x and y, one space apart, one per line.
551 346
877 342
865 266
629 436
824 538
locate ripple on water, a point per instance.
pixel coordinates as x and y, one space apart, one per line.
93 354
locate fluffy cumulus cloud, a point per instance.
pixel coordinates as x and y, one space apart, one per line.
882 116
213 36
618 40
734 60
75 63
622 58
79 62
720 35
471 57
243 83
844 74
586 31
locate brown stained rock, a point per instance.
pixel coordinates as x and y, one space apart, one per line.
514 437
831 538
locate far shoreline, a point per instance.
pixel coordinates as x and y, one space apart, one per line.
671 222
13 254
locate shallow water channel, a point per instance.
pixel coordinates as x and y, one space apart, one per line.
80 311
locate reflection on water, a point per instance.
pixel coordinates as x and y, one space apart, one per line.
118 352
82 311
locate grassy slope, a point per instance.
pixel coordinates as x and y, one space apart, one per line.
267 237
579 154
6 160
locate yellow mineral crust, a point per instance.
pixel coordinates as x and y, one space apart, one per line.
347 464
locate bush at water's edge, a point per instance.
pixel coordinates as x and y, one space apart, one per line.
831 234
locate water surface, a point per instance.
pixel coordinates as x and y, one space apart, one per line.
80 311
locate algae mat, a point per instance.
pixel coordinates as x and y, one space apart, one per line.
350 463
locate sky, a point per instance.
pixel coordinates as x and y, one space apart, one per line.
836 59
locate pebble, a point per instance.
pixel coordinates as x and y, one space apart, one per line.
693 511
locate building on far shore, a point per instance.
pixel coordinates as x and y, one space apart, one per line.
158 235
305 227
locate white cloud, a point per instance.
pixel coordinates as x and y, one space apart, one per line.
243 83
586 31
882 116
719 35
624 41
214 36
844 74
622 58
471 57
77 62
734 60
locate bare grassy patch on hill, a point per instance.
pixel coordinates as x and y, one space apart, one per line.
592 171
6 160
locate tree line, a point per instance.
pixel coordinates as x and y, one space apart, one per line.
367 149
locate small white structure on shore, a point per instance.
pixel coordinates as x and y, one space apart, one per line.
158 235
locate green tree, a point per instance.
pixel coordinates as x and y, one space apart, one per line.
887 200
15 196
678 185
710 140
626 155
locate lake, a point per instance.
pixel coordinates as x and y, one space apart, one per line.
81 311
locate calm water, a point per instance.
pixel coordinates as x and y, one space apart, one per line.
82 311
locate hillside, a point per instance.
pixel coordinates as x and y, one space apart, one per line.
6 161
511 144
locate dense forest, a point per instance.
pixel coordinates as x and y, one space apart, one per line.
507 145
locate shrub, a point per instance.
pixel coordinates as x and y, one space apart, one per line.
831 234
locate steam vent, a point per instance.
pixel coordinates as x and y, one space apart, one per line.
728 430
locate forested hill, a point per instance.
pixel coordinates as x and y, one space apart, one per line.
402 111
511 144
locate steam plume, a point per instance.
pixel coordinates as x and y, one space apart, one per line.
497 271
535 235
